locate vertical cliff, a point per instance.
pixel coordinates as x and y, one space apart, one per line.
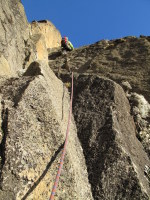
34 114
13 35
115 158
108 150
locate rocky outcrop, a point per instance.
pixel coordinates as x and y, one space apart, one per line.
23 43
35 114
48 30
114 156
141 113
43 38
5 69
105 158
126 61
13 35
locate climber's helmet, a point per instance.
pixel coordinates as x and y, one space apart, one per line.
66 39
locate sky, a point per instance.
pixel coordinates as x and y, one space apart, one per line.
88 21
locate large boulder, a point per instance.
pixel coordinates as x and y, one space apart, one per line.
35 111
115 158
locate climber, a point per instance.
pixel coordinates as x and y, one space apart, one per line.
66 44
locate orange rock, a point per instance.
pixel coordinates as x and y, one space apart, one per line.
49 31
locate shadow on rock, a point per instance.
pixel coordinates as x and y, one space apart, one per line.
44 173
33 70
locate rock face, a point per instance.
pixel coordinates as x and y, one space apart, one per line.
34 109
48 30
105 158
5 67
141 113
13 34
114 157
35 115
43 38
125 60
22 43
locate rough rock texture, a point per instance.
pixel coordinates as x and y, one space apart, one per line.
114 156
109 162
39 48
43 38
122 60
141 113
126 59
48 30
23 43
35 114
5 69
14 32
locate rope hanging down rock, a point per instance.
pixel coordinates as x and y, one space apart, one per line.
64 149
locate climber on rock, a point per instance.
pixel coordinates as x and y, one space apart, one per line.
66 44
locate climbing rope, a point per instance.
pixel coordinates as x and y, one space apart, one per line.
64 149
